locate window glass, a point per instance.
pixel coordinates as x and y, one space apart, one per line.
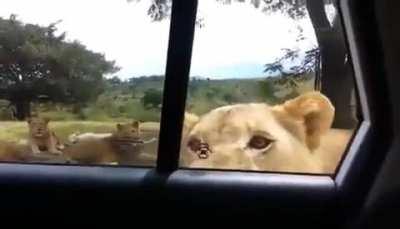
262 94
81 81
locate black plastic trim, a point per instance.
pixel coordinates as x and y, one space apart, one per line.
176 79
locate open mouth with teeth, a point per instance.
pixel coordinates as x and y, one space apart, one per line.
204 151
38 134
200 148
203 154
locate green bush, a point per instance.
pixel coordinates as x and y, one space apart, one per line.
152 98
93 113
135 110
58 115
5 114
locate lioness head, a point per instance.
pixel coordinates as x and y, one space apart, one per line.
38 127
128 130
259 136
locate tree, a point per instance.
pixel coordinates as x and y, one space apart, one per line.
161 9
330 58
115 81
36 63
292 76
229 98
267 90
152 98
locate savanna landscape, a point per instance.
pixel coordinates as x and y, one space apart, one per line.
140 99
76 90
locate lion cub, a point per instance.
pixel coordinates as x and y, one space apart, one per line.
41 138
119 146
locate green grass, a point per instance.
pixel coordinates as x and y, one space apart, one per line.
134 110
59 115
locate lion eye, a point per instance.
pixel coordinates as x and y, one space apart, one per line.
194 144
259 142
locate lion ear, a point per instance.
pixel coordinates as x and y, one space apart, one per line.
119 126
46 120
190 120
314 110
135 124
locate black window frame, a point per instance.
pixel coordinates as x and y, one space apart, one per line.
351 182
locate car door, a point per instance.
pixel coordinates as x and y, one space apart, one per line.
167 191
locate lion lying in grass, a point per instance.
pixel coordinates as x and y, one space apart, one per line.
41 138
120 147
13 151
295 136
41 141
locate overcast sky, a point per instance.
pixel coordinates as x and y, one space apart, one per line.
236 40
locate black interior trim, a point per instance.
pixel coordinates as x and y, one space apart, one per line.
37 186
372 142
176 79
212 187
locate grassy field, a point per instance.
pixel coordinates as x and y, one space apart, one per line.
17 131
123 103
14 131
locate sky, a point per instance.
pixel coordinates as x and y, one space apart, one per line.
235 41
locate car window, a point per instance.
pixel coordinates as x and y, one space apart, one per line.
269 89
81 82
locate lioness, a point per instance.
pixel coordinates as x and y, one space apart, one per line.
13 151
119 146
76 137
290 137
41 138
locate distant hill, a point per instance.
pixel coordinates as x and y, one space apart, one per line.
205 94
126 100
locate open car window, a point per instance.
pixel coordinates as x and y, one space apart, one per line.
259 98
81 89
270 89
269 84
272 103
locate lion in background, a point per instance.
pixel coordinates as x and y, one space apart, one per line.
295 136
41 138
122 146
40 143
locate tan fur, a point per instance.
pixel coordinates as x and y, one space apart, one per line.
298 129
41 138
104 148
332 147
77 137
190 121
312 109
13 151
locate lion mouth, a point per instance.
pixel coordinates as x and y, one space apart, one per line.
204 153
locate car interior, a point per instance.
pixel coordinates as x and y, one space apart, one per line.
189 178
